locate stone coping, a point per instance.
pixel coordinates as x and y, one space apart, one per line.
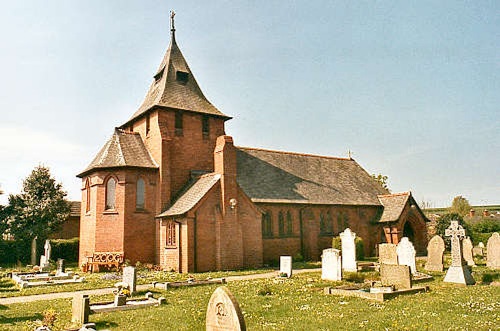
169 285
381 296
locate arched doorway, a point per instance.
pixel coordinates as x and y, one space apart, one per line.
409 232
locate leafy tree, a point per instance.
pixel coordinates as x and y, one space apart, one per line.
382 180
40 208
444 222
460 206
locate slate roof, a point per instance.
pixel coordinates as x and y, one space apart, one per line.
123 149
394 205
283 177
167 91
192 195
75 208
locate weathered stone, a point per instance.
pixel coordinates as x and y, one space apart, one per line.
435 250
33 251
130 278
331 265
80 309
406 254
387 254
493 251
223 312
467 251
348 250
286 266
398 276
458 272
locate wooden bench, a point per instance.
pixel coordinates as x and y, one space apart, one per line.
106 259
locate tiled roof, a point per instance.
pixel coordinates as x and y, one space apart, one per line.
167 91
394 205
75 208
123 149
281 177
192 195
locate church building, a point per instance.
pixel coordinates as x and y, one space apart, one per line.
171 188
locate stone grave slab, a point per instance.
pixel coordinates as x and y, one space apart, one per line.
435 250
467 247
223 312
493 251
387 254
331 265
286 266
458 272
406 254
348 250
398 276
80 308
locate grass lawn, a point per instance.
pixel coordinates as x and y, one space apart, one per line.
294 304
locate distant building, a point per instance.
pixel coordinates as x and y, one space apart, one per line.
170 188
71 227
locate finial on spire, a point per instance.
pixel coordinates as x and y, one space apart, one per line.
172 25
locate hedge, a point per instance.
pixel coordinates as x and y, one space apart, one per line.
13 251
65 249
360 247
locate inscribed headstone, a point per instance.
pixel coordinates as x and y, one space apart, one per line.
493 251
223 312
331 264
81 308
348 250
458 272
406 254
398 276
130 278
387 254
467 247
435 250
286 266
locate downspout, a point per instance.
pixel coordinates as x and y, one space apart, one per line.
195 246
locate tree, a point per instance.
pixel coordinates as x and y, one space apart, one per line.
41 207
444 222
460 206
382 180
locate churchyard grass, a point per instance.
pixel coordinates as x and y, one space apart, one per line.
297 303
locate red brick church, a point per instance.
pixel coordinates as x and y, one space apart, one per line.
171 188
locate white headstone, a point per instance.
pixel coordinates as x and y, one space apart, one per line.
130 277
224 312
406 254
348 250
331 264
286 265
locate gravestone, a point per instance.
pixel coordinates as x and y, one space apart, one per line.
348 250
493 251
406 254
61 267
223 312
467 247
435 250
458 272
398 276
479 250
45 259
80 308
331 265
387 254
130 278
286 266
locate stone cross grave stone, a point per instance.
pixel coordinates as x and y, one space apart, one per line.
467 247
130 278
45 259
348 250
223 312
398 276
493 251
80 308
331 264
387 254
406 254
458 272
435 250
286 266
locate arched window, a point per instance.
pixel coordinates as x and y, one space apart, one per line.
322 225
110 193
87 195
289 223
140 194
267 225
281 224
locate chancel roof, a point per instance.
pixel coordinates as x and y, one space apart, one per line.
192 195
282 177
174 86
123 149
394 205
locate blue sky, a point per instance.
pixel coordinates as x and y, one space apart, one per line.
410 87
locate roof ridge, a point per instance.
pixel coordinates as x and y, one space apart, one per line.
394 194
296 153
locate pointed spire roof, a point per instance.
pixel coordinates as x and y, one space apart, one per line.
174 86
123 149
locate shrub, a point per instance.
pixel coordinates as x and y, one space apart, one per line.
65 249
13 251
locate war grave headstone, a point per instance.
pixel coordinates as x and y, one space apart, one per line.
130 278
406 254
493 251
458 272
435 250
467 247
387 254
348 250
223 312
286 266
331 265
398 276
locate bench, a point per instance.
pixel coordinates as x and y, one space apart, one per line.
105 259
